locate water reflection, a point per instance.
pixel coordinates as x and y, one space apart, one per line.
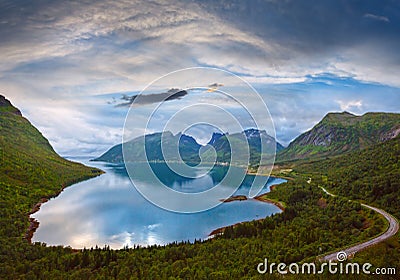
109 210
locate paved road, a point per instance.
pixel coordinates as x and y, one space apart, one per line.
393 228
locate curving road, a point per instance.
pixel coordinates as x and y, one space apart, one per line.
392 230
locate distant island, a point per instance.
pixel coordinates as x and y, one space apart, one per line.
235 198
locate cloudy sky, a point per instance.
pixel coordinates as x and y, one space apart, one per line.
66 64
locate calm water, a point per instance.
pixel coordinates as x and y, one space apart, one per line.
109 210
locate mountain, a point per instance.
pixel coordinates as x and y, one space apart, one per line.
30 170
223 143
335 134
339 133
215 136
23 149
188 148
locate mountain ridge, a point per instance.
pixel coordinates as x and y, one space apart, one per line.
188 146
335 134
343 132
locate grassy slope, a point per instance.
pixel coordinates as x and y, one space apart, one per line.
29 171
338 133
371 175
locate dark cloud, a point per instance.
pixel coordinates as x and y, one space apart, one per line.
143 99
313 26
55 52
215 85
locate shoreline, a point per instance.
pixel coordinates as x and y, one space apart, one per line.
267 200
266 175
278 204
220 230
33 223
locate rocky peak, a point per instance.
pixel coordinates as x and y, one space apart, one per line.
6 106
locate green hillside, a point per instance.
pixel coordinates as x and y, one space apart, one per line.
371 175
339 133
312 223
29 170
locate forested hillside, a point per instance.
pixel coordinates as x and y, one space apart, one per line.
312 223
29 171
371 175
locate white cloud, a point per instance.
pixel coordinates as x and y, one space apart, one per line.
68 50
367 63
376 17
70 131
346 105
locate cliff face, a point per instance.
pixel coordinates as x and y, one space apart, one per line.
343 132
